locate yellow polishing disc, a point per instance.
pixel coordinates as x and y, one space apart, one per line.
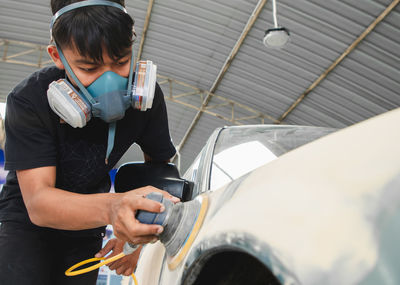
176 260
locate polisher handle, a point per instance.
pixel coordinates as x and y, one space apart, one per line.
146 217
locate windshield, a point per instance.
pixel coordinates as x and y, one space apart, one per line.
242 149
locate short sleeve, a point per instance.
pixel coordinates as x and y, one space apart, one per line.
156 140
29 143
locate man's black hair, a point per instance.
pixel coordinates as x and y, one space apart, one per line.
89 29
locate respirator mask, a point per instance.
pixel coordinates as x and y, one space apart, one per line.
109 96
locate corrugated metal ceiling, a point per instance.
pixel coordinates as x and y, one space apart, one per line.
190 41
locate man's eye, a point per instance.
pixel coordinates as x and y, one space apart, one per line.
87 69
123 62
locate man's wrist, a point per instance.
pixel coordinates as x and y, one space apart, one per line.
110 205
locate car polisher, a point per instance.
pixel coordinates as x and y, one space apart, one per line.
181 222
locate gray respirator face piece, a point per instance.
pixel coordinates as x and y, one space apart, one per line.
109 96
111 106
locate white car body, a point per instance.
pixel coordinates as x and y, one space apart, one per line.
325 213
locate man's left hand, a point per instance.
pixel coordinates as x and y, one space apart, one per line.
125 265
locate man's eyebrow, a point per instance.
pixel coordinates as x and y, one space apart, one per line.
128 52
85 61
92 62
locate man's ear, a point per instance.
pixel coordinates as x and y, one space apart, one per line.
55 56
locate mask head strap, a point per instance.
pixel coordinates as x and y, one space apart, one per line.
72 74
81 4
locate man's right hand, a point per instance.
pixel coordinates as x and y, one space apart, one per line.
123 211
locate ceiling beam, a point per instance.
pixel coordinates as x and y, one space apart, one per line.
338 60
145 28
226 65
224 104
26 48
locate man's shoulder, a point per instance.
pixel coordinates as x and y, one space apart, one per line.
49 73
37 83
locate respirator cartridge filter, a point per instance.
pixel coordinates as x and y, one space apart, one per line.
144 85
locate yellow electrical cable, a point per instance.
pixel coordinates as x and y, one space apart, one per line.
69 271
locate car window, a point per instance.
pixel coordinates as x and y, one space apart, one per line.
242 149
191 172
235 161
196 171
199 171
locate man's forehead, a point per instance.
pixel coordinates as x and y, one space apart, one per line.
79 58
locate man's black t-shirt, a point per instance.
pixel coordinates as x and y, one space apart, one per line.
35 137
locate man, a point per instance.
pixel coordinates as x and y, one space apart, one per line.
55 203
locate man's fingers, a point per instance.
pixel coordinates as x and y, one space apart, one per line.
139 231
109 246
129 203
127 264
121 266
128 271
149 205
120 232
120 270
145 239
114 265
148 189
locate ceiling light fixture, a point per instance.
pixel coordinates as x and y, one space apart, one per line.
276 37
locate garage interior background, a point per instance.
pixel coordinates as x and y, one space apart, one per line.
341 66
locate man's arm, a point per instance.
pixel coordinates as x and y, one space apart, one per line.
55 208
